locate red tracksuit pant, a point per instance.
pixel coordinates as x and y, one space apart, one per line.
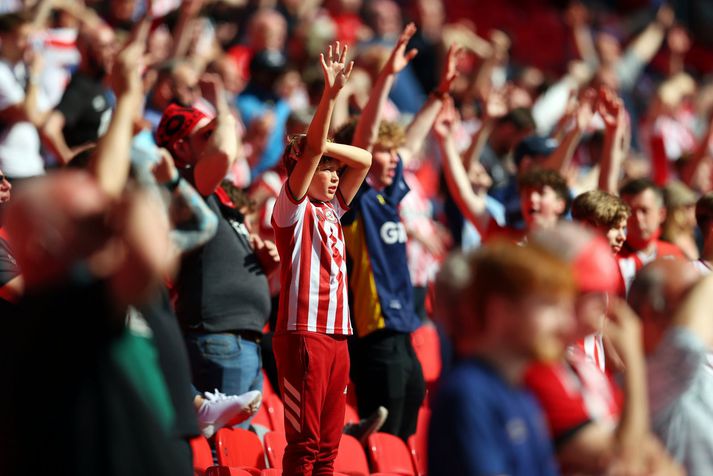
314 372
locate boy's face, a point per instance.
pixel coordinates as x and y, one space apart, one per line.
541 326
325 181
383 166
541 207
616 236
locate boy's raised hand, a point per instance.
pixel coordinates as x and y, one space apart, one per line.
399 58
336 71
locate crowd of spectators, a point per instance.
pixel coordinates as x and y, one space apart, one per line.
182 181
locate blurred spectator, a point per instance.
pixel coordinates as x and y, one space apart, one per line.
515 308
19 96
84 112
674 305
704 218
680 225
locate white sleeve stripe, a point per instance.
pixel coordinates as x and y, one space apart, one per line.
286 212
288 386
296 267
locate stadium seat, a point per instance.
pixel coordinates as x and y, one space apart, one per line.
226 471
275 444
350 414
271 472
427 346
351 458
202 456
261 417
388 454
418 443
239 448
275 412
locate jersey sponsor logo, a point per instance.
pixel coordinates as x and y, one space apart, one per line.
392 233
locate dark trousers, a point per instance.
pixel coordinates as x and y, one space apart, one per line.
387 373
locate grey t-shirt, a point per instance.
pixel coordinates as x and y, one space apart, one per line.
680 388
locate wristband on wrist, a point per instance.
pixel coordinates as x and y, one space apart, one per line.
172 184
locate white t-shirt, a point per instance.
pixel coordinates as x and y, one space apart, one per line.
20 141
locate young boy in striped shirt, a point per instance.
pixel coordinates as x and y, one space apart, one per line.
313 315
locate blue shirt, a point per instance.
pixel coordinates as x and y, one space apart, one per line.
381 293
481 425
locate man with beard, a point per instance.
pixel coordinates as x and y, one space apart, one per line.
84 112
515 306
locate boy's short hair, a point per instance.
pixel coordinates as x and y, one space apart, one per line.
704 211
391 135
11 22
294 149
515 272
600 209
539 178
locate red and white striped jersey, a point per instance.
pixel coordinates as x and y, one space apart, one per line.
313 275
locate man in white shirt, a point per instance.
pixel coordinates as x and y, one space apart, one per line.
19 90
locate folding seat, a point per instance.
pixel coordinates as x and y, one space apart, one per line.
240 449
351 458
275 444
202 456
388 454
418 442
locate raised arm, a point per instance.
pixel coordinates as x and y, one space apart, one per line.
367 128
470 204
495 107
616 143
111 160
422 122
576 17
336 73
357 161
222 149
560 159
645 46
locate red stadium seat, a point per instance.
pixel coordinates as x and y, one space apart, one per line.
389 454
418 443
202 456
227 471
275 412
239 448
275 444
262 418
351 458
427 346
271 472
350 414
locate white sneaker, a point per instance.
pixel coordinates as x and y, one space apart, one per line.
219 410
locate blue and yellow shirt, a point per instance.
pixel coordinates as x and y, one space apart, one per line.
380 290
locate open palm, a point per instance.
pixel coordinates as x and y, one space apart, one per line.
336 71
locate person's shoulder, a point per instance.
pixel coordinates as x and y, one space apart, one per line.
665 249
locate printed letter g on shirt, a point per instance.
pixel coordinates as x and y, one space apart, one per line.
393 233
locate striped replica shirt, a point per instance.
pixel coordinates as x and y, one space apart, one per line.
313 275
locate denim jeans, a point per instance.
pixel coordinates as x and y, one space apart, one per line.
224 361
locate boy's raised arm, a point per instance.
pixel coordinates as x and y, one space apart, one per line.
336 73
367 128
357 161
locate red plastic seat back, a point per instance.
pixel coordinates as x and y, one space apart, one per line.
427 346
202 456
275 412
275 444
238 447
418 443
351 458
389 454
